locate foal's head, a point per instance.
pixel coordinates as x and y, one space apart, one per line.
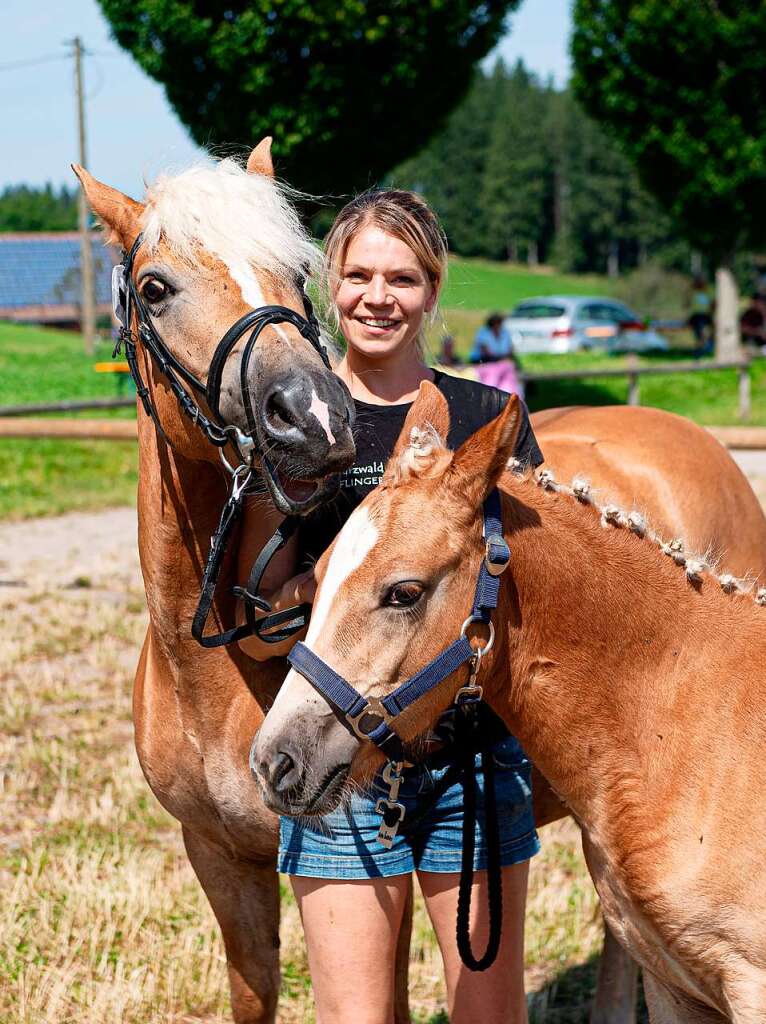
393 591
218 241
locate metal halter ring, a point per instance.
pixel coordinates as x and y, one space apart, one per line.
479 652
374 709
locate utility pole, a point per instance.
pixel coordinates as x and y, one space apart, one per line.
88 296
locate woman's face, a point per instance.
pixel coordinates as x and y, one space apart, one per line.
383 295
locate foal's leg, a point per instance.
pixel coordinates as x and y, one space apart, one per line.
615 1000
245 899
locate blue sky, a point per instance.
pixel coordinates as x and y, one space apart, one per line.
132 130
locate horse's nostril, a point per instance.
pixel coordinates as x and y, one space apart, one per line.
278 412
282 771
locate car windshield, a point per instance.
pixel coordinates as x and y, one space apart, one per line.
538 311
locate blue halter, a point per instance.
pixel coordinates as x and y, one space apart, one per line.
370 718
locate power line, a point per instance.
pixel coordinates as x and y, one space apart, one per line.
34 61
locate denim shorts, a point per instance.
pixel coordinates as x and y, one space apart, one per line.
343 844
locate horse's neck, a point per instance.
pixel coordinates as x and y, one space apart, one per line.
179 503
596 620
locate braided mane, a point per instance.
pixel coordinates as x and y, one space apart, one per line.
695 567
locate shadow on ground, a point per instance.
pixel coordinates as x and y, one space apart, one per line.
567 999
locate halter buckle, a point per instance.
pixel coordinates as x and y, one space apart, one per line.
497 555
372 709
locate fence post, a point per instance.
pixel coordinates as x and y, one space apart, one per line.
744 390
634 394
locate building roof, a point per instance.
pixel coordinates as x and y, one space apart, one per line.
41 270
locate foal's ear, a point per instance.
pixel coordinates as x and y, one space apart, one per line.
421 447
479 463
259 161
120 213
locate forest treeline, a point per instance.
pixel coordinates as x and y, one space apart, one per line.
521 173
24 208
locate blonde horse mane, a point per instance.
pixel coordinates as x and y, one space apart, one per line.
245 220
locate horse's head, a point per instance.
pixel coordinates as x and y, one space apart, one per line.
215 243
393 591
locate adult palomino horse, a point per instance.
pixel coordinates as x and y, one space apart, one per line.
630 671
215 244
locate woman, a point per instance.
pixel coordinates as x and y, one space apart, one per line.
385 263
497 363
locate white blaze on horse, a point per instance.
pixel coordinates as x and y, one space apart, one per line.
631 672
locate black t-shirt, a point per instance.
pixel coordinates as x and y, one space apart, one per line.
471 406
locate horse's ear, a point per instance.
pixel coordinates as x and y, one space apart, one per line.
421 447
479 463
120 213
259 161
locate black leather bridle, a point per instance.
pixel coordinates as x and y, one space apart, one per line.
126 299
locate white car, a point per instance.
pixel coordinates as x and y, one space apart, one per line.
573 323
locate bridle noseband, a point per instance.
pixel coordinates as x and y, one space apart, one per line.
125 299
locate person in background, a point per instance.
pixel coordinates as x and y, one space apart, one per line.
447 354
700 317
752 323
493 352
492 341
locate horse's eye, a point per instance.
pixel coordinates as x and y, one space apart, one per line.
154 290
405 594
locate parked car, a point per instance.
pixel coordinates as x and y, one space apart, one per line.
573 323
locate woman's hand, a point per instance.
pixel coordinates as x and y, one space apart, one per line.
298 589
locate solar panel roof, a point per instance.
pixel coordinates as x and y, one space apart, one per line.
45 271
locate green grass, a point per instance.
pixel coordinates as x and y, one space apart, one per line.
40 364
484 286
46 477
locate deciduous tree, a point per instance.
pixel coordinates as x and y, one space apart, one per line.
348 88
682 87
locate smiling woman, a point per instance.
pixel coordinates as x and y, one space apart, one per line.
385 264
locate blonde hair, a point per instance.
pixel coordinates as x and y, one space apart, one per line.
402 214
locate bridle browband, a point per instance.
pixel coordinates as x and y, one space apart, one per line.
125 299
372 718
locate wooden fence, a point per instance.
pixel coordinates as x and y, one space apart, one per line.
634 372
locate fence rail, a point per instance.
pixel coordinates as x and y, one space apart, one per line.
633 371
73 406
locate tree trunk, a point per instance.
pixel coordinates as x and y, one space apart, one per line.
727 344
532 257
613 259
513 251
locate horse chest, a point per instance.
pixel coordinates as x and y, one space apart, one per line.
198 768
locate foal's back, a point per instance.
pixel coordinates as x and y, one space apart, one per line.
665 466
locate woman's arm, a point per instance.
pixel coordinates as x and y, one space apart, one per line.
280 586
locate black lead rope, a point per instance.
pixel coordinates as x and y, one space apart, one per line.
467 729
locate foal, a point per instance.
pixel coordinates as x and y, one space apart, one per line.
631 676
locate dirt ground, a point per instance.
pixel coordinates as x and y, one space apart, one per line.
102 920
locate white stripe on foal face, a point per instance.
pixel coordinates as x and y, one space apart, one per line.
321 411
354 543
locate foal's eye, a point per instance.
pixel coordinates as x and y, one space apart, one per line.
404 595
154 290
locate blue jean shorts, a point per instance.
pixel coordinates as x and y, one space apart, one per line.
344 844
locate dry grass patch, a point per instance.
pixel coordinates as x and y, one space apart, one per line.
102 920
